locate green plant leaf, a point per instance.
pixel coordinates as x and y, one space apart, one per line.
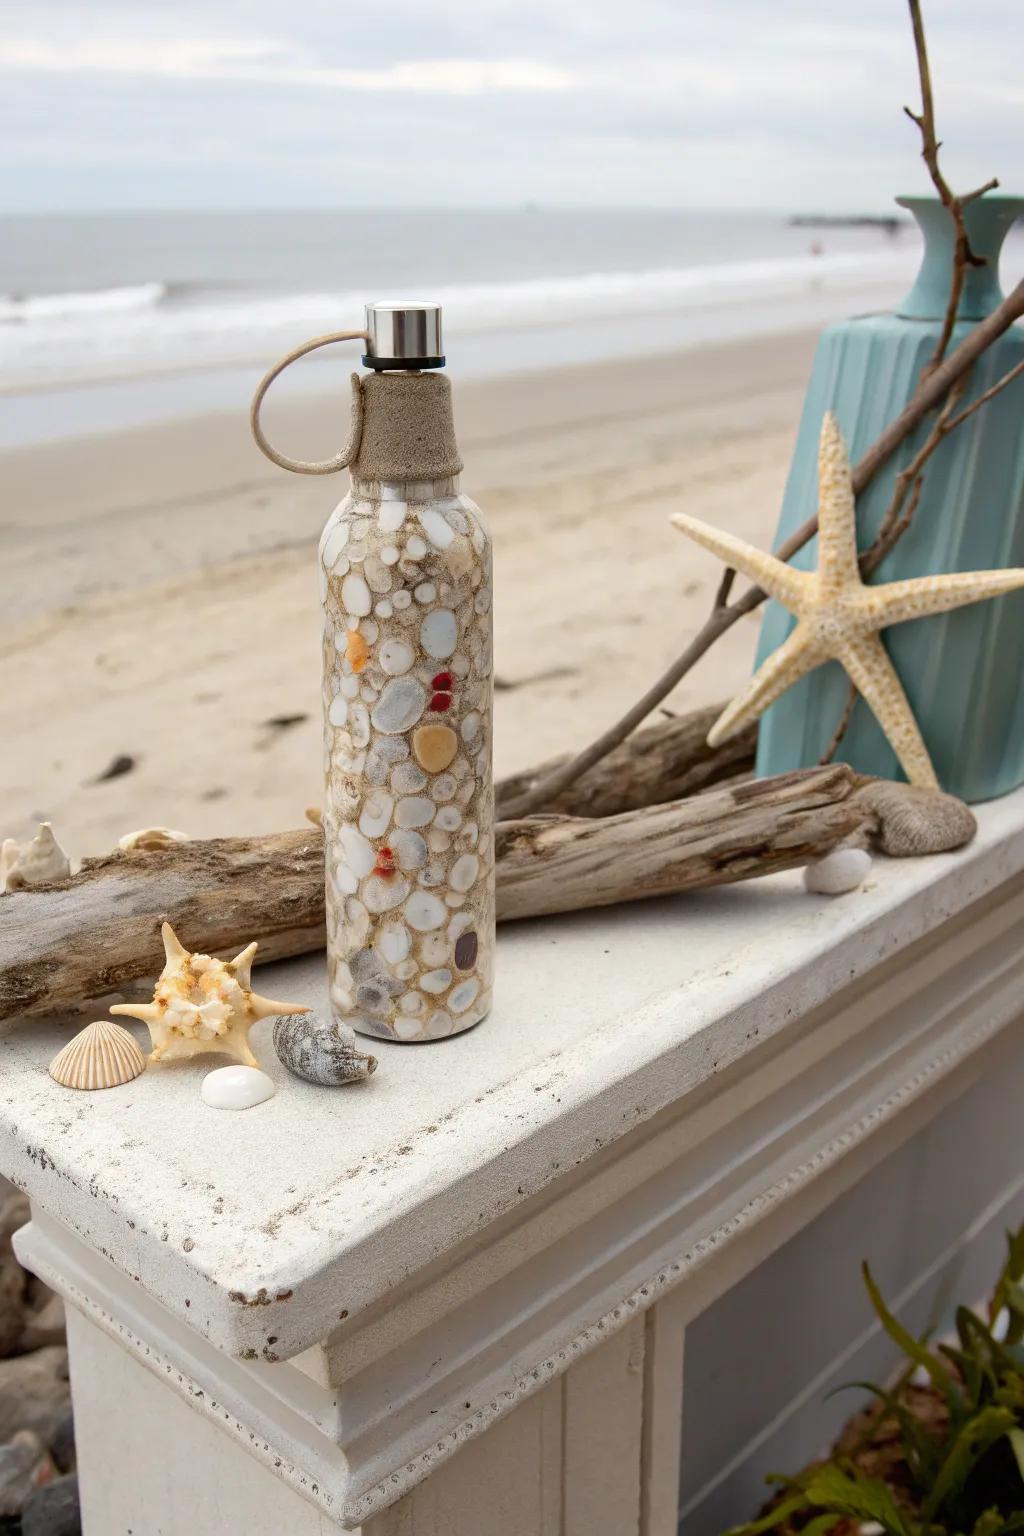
963 1450
921 1450
1016 1439
913 1348
794 1505
853 1494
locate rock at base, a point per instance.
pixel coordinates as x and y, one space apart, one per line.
53 1511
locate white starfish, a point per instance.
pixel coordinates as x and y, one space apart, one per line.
838 617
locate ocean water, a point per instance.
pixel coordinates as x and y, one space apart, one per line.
110 321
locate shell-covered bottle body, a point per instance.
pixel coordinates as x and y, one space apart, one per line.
405 575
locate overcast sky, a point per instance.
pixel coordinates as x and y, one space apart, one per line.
244 103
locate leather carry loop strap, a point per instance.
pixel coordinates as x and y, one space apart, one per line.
307 466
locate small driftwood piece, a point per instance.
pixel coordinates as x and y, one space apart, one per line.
663 762
737 832
98 931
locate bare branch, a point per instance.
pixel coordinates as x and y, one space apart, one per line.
990 394
963 256
841 729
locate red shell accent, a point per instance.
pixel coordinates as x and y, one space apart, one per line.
442 681
441 702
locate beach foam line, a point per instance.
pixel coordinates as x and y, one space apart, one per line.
151 328
15 309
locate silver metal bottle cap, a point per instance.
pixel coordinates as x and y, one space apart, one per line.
404 334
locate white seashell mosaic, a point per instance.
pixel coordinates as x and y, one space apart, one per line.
409 804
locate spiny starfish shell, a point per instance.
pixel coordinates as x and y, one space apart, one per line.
838 616
203 1004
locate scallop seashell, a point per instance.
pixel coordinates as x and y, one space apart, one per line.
321 1051
102 1055
151 840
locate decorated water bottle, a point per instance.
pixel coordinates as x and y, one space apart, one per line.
405 585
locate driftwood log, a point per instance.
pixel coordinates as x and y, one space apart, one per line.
664 762
94 933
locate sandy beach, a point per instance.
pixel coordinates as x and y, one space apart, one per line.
160 598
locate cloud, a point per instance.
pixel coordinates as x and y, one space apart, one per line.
271 62
670 102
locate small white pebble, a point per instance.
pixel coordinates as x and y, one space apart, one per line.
236 1087
842 870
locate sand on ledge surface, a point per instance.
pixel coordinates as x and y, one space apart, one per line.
162 605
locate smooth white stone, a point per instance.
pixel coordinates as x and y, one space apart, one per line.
409 849
355 595
459 664
436 981
460 767
383 609
464 994
471 833
411 1002
436 529
359 857
370 629
393 941
408 779
459 924
439 634
368 693
391 516
407 969
380 895
376 770
359 724
464 871
402 599
414 811
406 1028
439 1024
358 920
350 687
443 787
334 543
425 592
345 880
376 814
415 547
338 712
456 898
423 911
396 657
448 818
842 870
389 555
434 949
454 515
236 1087
393 749
438 842
465 792
399 706
471 726
433 876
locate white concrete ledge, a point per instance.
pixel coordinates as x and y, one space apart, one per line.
657 1089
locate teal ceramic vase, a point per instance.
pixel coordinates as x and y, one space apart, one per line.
962 671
